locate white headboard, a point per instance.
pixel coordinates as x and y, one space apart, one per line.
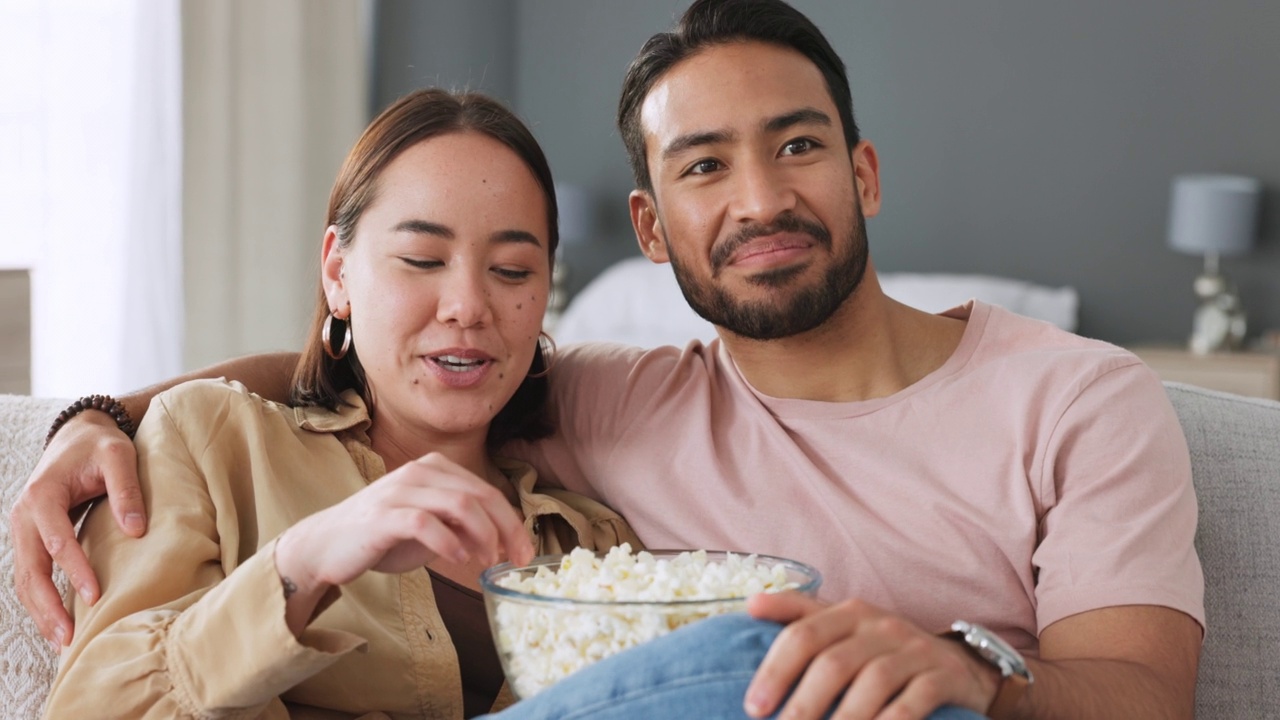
639 303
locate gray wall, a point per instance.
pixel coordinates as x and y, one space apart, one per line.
1034 140
457 44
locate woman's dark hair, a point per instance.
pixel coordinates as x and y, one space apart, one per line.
319 380
717 22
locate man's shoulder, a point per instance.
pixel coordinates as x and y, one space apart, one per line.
616 362
1013 338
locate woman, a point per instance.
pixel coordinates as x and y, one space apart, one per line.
252 595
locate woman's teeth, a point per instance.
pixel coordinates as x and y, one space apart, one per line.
457 364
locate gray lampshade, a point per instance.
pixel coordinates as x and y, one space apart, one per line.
1214 214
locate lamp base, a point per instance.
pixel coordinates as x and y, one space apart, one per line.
1219 323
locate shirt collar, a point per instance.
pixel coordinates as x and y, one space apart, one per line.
351 414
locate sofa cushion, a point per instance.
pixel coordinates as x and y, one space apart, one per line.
1235 462
27 661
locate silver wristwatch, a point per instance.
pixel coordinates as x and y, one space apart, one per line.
1015 677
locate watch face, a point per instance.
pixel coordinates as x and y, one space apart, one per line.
992 648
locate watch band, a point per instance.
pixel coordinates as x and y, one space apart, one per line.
985 645
1010 691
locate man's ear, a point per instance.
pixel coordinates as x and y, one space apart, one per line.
866 174
649 233
332 277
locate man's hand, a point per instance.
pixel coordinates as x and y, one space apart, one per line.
89 456
884 665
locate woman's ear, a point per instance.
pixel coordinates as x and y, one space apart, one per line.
649 234
332 272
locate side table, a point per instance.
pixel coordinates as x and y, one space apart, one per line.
1254 373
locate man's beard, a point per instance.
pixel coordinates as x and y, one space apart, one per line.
788 314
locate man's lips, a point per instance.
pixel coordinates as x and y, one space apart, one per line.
769 250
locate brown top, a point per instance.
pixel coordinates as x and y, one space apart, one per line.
191 619
462 610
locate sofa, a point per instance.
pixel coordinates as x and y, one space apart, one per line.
1235 457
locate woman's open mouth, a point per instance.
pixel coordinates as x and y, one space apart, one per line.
454 363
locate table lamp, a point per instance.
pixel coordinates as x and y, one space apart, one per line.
1213 215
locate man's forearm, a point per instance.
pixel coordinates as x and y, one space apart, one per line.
268 375
1103 689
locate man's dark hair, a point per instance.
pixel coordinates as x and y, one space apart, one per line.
717 22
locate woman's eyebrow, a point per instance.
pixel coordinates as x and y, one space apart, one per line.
423 227
515 236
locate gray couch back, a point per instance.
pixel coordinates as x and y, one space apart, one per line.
1235 461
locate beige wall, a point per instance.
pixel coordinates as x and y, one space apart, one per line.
15 332
274 94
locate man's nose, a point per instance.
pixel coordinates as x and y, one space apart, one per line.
761 193
464 299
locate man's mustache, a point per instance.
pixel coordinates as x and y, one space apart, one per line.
788 223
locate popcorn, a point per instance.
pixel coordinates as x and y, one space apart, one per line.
541 643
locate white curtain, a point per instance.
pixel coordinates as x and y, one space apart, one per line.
90 187
275 94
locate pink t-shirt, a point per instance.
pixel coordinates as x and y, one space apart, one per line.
1033 476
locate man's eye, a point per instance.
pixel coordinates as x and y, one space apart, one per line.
798 146
702 167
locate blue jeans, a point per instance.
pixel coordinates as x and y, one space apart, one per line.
700 671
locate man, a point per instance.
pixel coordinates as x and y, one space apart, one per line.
971 466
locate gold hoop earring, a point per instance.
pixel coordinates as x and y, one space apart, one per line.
548 355
326 336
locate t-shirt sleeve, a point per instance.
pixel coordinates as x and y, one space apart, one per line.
1119 522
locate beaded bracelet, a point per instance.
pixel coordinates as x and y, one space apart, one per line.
105 403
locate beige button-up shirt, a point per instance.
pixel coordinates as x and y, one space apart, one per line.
191 621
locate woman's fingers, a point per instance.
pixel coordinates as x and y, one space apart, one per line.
435 470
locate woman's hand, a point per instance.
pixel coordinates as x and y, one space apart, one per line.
429 508
88 457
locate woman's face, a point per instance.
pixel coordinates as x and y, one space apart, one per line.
447 280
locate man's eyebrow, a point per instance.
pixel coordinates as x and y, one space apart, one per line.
695 139
423 227
803 116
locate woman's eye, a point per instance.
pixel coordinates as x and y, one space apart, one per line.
702 167
422 264
512 274
798 146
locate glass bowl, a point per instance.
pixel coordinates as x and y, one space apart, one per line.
541 639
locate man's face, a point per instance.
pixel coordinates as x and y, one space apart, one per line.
755 200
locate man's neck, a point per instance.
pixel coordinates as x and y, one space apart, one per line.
872 347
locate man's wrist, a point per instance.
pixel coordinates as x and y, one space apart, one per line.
94 405
1003 669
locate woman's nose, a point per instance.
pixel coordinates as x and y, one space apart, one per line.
464 300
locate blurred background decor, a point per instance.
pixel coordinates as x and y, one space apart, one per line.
1027 141
1215 215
